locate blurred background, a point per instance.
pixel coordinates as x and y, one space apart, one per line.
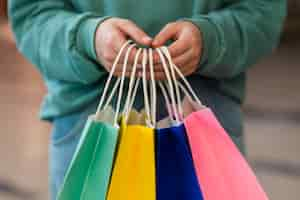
272 118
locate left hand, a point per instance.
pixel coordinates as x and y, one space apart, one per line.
186 49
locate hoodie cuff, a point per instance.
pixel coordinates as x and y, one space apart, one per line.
86 36
213 47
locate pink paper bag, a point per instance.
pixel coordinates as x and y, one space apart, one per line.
222 171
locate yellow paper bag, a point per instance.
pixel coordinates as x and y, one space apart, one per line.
133 176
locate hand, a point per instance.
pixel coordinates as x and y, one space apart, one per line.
186 49
111 35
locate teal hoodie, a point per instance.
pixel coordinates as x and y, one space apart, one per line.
57 36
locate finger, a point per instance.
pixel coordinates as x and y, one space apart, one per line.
156 69
160 76
184 59
118 68
119 74
131 56
157 75
156 58
134 32
189 68
179 46
170 31
129 53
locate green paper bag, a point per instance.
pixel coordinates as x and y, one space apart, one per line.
89 173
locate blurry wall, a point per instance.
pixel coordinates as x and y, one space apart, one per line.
292 24
3 6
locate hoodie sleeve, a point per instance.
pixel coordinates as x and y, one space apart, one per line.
57 39
238 35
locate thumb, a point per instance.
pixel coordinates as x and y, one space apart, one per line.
170 31
133 31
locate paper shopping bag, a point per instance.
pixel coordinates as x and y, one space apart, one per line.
89 173
175 173
133 176
222 170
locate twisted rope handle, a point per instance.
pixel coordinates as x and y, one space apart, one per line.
108 82
132 88
189 92
122 84
153 88
170 85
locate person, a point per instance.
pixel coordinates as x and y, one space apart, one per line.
73 44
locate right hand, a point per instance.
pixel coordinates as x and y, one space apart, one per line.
111 35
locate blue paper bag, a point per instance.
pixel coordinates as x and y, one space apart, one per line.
175 174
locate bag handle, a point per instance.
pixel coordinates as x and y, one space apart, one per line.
102 99
149 120
175 82
122 84
152 88
132 88
150 110
166 97
114 90
186 92
133 97
188 88
170 85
